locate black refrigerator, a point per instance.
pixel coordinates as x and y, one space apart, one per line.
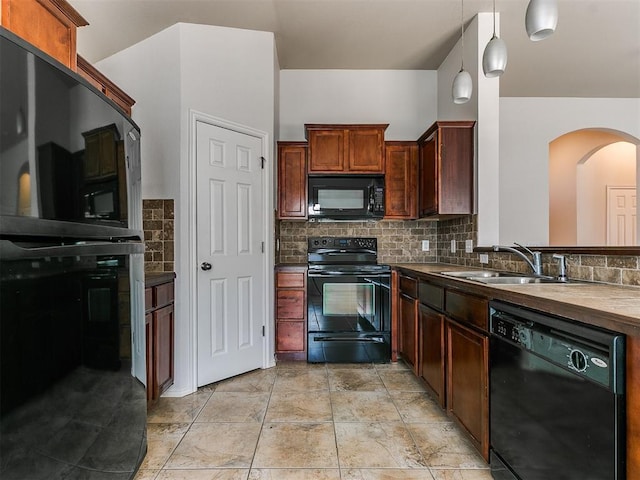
72 351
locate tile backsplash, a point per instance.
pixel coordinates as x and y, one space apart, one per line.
158 225
400 242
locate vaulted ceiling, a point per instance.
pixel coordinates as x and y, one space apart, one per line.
595 51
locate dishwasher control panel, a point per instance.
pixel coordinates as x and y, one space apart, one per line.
509 328
593 354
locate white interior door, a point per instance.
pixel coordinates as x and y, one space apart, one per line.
230 235
621 216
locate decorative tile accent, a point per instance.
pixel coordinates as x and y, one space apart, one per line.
157 222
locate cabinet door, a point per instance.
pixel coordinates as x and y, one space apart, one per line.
456 184
292 180
100 154
401 180
290 336
148 326
366 150
467 382
327 151
50 25
408 329
432 351
428 177
163 324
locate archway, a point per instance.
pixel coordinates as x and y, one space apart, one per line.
569 154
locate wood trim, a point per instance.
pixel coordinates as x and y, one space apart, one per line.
64 8
445 124
102 83
632 383
395 294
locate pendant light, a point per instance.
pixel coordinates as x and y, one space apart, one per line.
462 83
541 18
494 58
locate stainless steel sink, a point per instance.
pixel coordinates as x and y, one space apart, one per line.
513 280
502 278
473 273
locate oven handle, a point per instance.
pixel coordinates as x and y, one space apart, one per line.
371 339
353 274
11 251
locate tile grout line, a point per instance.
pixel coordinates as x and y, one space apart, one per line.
264 417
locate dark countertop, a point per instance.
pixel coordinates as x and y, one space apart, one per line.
151 279
608 306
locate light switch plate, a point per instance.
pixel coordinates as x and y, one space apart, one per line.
453 246
484 258
468 246
425 245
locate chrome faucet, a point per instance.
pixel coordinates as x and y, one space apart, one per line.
536 257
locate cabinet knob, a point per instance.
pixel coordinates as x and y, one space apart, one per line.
205 266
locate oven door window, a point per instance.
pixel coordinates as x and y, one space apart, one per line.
348 299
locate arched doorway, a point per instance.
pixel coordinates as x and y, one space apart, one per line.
582 165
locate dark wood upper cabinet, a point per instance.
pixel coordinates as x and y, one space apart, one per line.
446 169
401 180
346 148
292 180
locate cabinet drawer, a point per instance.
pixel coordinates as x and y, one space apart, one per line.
148 298
290 304
431 295
290 279
164 294
468 309
409 286
290 337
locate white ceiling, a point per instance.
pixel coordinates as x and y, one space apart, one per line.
595 51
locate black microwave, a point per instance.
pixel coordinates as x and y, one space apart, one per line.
346 197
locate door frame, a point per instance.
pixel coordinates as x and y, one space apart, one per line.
268 359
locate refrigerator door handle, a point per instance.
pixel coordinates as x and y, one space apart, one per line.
10 250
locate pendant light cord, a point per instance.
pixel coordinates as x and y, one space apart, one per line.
494 18
462 33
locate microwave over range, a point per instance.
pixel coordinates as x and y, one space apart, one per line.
346 197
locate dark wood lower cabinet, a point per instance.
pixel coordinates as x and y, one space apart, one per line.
432 350
467 382
159 328
291 313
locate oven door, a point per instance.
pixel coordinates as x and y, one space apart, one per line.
348 318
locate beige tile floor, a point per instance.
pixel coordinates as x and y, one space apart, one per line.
309 422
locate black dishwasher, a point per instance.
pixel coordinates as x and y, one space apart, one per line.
557 402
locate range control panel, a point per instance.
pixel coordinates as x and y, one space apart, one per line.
343 243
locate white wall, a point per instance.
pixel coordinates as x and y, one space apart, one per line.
483 107
222 72
405 99
527 126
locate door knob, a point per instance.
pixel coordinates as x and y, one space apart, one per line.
205 266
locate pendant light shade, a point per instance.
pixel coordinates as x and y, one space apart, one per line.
541 19
494 58
462 87
462 84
